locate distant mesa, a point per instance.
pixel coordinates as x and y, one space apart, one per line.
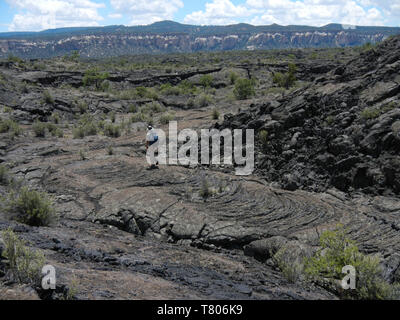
171 36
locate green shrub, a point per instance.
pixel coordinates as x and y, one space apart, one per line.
139 117
39 128
152 107
72 290
286 80
169 90
15 59
330 120
206 81
166 118
83 107
39 66
111 130
141 92
104 86
78 132
55 117
191 102
54 130
337 251
31 207
244 89
47 97
367 46
215 114
132 108
148 93
291 270
113 117
389 107
58 133
3 175
233 76
203 100
82 155
94 77
187 87
26 265
263 136
8 110
110 151
370 113
73 56
205 190
10 126
86 127
129 94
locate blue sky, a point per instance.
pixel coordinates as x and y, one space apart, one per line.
35 15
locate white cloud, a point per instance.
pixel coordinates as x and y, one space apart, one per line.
218 12
146 11
314 12
46 14
306 12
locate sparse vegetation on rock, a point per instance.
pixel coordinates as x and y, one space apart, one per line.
47 97
337 251
39 128
167 117
215 114
10 126
4 178
94 77
203 100
244 89
30 207
334 134
24 263
286 80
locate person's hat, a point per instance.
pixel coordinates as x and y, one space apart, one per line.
149 127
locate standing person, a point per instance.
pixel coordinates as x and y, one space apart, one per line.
151 138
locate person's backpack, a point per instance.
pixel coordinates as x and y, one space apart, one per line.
155 137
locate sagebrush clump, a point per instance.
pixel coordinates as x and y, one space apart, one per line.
30 207
205 191
291 270
39 128
167 117
244 89
95 77
203 100
286 80
4 179
47 97
337 251
113 131
87 127
263 136
10 126
215 114
24 263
